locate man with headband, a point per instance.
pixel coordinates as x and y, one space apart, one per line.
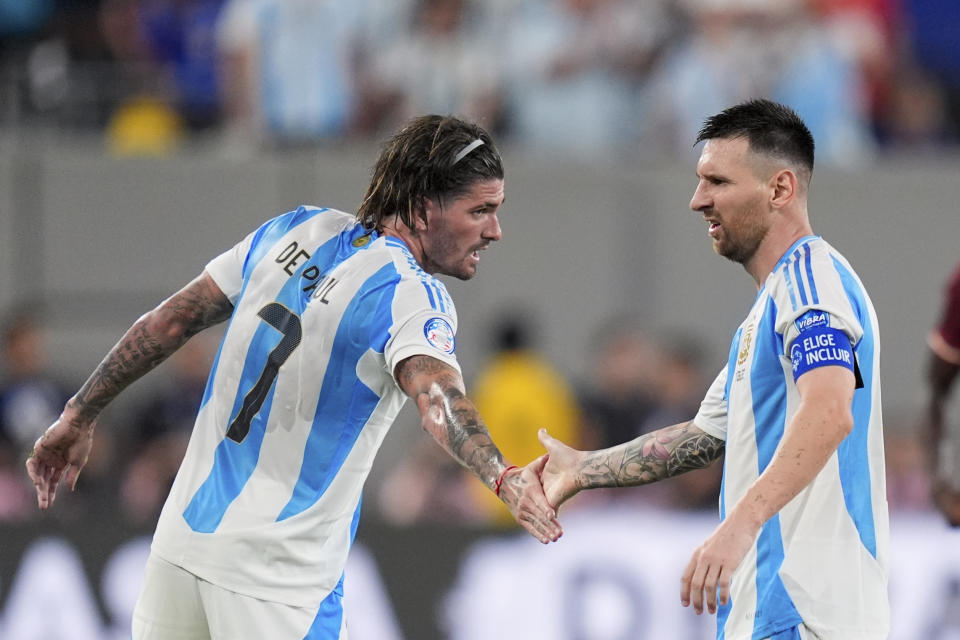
334 319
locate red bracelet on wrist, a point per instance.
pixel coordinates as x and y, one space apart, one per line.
496 488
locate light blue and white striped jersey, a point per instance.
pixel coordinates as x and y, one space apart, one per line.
822 559
299 399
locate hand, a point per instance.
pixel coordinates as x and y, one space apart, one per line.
520 490
62 449
559 476
709 571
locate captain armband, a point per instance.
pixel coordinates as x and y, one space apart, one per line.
820 345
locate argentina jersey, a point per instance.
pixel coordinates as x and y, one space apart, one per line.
299 399
822 559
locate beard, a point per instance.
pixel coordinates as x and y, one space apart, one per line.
741 244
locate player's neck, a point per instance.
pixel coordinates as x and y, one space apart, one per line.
397 229
777 241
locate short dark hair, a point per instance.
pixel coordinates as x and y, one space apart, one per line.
426 159
769 127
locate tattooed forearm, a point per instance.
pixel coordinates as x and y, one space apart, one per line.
151 339
136 353
651 457
462 432
467 437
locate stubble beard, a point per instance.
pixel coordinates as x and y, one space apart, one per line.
742 249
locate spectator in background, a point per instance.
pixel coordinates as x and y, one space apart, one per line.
289 68
908 455
143 115
576 72
741 49
933 32
160 430
180 37
944 364
517 391
29 398
440 66
867 33
426 486
621 393
679 385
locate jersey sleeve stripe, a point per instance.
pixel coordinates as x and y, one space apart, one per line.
809 265
789 281
443 305
433 302
799 278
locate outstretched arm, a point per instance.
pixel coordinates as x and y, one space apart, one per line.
449 416
65 446
820 424
653 456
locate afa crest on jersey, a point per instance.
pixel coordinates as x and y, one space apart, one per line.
439 334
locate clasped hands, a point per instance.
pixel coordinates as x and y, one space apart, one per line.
705 582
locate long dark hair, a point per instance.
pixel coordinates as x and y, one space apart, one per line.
426 159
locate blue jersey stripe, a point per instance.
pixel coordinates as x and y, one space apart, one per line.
442 302
267 235
769 413
208 390
234 462
344 399
809 264
775 609
799 279
329 619
853 451
786 277
433 302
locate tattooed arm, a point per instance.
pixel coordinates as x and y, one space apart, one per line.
65 446
449 416
653 456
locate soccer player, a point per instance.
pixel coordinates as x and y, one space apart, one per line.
801 551
942 369
333 320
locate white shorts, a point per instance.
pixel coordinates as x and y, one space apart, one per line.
174 604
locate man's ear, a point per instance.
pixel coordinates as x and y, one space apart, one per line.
425 210
785 185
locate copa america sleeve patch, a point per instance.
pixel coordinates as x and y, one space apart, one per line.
821 346
439 334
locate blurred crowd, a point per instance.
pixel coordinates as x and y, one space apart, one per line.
634 382
600 77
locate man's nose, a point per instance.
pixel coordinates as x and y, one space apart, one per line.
493 232
699 201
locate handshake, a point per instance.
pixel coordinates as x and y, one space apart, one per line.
535 492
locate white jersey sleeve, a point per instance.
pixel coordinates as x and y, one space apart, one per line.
712 416
227 268
810 293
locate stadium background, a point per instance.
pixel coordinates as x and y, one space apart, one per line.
99 222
